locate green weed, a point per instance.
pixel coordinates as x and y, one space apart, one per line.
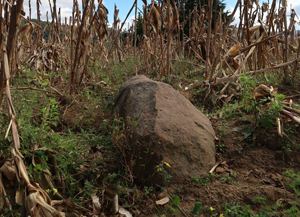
208 178
161 169
248 85
236 210
294 211
292 181
229 178
267 117
220 148
197 208
259 199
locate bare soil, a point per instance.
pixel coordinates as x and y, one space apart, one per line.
255 169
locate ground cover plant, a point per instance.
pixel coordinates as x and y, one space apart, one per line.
63 150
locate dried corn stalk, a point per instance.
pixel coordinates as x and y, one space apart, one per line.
37 201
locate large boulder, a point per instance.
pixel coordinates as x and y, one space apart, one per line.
166 128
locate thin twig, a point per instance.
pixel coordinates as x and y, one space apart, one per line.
33 88
215 166
182 211
288 138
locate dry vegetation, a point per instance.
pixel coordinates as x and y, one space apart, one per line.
222 57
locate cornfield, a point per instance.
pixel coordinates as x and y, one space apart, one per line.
263 42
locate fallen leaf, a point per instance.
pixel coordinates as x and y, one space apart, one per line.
96 204
163 201
124 211
219 170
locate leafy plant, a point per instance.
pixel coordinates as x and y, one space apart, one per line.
50 114
229 178
8 213
220 148
230 110
292 180
209 211
197 208
176 200
148 190
161 169
223 133
267 117
259 199
248 84
208 178
173 210
294 211
236 210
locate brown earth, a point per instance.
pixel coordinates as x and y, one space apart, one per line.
256 169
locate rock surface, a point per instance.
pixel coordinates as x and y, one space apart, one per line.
168 129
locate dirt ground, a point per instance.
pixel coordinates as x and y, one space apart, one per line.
257 172
255 169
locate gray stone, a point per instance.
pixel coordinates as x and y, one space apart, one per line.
168 129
